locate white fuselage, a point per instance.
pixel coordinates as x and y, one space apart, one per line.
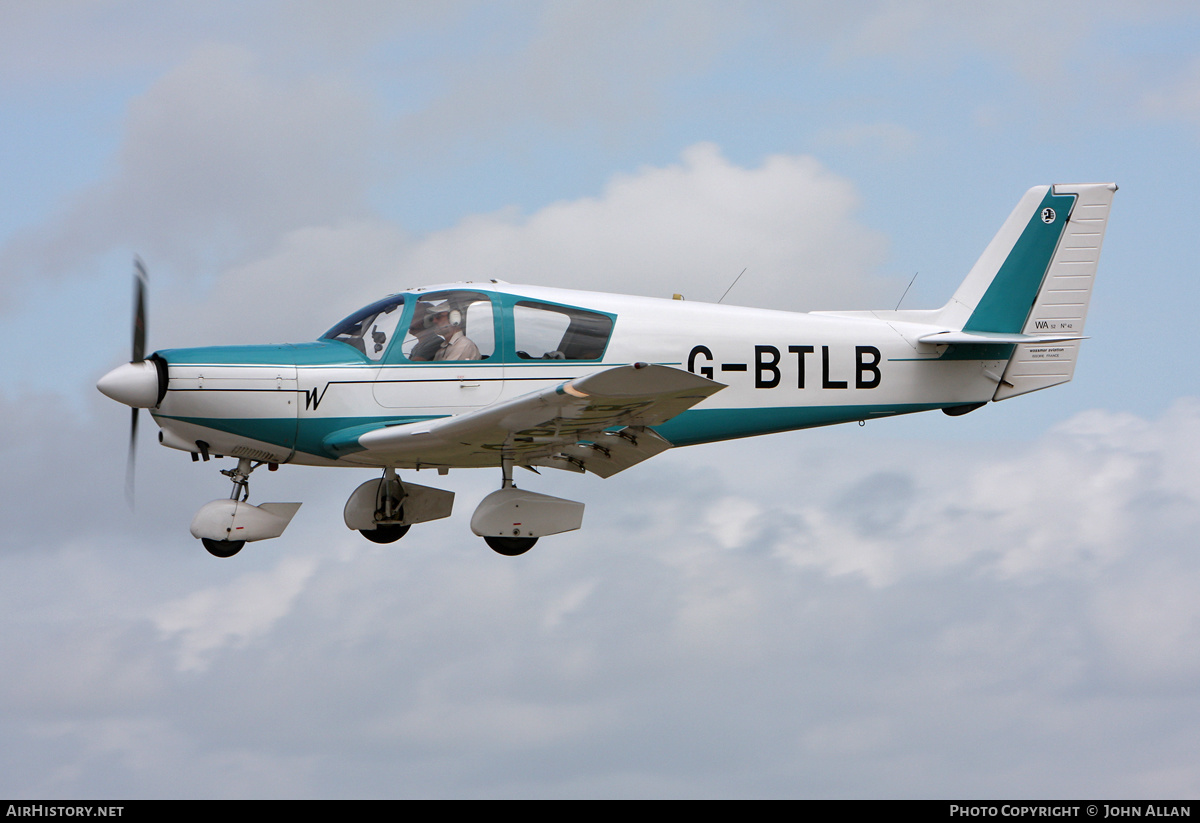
782 370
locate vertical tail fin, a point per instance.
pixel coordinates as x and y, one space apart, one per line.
1035 278
1062 301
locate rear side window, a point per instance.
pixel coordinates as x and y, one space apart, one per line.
548 332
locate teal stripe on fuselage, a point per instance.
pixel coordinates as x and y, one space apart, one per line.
697 426
688 429
1011 295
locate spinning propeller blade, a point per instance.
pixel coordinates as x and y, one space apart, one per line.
131 460
139 311
139 353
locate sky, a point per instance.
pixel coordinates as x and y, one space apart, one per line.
996 605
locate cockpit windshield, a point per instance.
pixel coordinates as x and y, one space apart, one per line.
370 330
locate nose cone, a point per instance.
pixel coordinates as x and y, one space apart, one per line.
134 384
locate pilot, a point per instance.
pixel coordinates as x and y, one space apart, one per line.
457 346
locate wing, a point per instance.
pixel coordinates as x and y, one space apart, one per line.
599 423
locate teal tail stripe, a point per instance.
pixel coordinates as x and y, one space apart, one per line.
1010 297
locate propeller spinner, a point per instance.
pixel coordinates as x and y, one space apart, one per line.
140 383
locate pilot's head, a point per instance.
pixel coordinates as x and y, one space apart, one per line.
446 321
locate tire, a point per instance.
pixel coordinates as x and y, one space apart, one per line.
222 548
510 546
385 534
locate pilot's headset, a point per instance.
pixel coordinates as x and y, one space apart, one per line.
454 317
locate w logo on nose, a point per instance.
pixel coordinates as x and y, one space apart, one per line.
312 400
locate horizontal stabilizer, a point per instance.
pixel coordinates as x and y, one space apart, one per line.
982 338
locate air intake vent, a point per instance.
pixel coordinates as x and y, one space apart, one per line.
258 454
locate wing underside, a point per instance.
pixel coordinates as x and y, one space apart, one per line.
599 423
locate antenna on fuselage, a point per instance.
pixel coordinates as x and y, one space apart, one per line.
731 285
910 282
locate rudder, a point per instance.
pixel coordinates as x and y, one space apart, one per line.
1061 302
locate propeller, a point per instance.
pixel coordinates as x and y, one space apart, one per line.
142 382
140 280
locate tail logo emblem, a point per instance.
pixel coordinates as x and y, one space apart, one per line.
1048 215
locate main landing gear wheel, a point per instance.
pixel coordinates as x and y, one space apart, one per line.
222 548
385 534
510 546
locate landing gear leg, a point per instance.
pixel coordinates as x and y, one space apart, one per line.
241 477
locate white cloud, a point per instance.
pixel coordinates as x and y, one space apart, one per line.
797 614
209 620
690 227
218 159
1149 619
1077 502
314 277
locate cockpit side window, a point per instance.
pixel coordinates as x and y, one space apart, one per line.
548 332
450 326
370 330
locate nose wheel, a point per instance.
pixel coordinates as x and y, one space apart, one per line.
225 526
241 489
